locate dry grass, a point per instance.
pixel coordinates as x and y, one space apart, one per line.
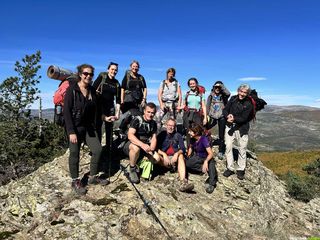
282 162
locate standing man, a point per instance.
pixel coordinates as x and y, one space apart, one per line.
237 113
108 90
142 140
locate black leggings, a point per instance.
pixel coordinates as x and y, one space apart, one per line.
194 164
190 117
221 126
95 147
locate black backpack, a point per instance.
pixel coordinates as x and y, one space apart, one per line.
258 103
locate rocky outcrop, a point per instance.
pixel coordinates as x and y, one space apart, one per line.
42 206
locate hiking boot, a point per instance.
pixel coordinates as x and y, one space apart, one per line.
78 187
210 188
220 155
133 175
186 187
228 173
240 174
98 180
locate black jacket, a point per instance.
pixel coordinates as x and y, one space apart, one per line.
242 111
79 111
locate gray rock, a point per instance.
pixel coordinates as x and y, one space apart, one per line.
42 206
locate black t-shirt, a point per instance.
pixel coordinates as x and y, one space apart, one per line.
107 93
134 83
144 129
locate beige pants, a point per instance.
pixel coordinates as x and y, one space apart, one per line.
242 144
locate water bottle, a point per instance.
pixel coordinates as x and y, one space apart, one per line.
59 110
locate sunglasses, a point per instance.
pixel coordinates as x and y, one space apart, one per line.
88 74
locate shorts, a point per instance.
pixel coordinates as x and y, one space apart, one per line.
126 150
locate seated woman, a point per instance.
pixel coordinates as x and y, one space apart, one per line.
200 157
171 150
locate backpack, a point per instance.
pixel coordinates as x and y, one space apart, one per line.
99 88
136 94
202 91
258 103
216 106
58 99
175 85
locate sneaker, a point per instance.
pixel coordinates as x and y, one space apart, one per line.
186 187
132 171
228 173
78 187
210 188
98 180
220 155
240 174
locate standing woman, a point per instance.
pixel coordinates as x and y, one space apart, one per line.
133 89
216 102
169 94
108 103
79 115
200 157
194 106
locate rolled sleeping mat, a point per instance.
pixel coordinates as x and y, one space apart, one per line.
58 73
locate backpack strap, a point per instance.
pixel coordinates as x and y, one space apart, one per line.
186 99
103 81
104 78
128 76
254 106
175 84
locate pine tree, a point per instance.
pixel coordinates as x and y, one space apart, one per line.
18 93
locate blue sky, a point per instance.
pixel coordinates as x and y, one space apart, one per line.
274 45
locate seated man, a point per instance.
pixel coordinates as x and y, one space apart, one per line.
142 140
171 150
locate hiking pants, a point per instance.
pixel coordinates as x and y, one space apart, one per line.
221 127
242 155
190 117
194 164
95 147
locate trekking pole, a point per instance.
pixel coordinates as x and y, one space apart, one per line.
145 203
110 147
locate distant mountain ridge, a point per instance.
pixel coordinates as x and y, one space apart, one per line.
277 128
286 128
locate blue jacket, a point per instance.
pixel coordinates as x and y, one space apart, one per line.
164 140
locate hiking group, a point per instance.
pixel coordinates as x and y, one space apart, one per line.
150 137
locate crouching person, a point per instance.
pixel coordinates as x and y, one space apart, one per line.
171 152
142 140
200 157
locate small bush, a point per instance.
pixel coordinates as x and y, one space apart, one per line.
24 148
300 188
313 168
